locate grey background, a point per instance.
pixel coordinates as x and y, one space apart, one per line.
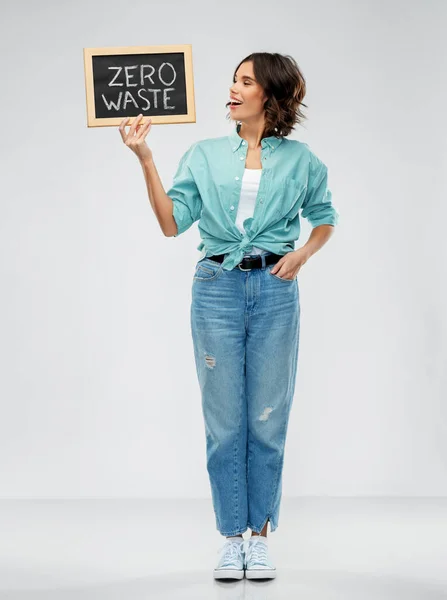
98 390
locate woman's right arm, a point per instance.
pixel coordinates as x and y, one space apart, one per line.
161 203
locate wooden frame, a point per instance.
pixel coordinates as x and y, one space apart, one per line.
186 49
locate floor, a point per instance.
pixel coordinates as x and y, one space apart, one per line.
323 548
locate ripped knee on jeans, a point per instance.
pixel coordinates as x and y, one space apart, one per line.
265 414
210 360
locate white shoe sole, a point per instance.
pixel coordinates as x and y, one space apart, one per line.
260 573
228 573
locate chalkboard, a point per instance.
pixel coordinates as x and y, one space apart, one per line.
155 81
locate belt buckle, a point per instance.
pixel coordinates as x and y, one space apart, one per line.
242 269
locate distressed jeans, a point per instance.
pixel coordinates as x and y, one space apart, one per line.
245 331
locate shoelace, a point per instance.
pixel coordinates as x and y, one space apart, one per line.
256 551
231 550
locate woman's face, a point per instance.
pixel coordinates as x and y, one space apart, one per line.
248 91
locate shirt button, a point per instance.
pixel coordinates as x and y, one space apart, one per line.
242 157
231 207
261 200
236 178
234 148
243 143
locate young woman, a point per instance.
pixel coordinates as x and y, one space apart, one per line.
247 189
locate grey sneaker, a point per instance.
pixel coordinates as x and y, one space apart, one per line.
257 562
231 561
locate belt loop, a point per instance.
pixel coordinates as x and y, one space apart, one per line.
263 260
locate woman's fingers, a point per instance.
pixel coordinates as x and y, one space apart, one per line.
135 139
133 127
122 128
144 129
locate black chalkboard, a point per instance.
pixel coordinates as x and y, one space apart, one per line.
155 81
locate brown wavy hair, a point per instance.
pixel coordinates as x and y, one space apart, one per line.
284 84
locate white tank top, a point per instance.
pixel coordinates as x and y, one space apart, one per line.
249 191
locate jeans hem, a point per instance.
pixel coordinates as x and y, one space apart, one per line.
273 526
234 532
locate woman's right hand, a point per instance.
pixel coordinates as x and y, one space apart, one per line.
135 139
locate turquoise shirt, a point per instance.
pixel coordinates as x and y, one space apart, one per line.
207 186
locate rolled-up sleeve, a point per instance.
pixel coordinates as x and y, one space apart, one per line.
185 196
317 207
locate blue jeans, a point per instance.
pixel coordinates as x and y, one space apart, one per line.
245 330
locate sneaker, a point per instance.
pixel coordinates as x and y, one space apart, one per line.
257 562
231 561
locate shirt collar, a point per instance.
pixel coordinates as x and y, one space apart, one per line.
236 140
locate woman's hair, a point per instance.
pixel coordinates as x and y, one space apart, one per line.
285 86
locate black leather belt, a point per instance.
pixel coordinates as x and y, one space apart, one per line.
252 262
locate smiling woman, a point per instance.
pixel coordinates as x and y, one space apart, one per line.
272 83
248 190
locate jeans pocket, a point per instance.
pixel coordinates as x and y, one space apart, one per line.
207 269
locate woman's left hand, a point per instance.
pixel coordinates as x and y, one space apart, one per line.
288 266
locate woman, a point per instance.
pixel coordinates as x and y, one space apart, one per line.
247 189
